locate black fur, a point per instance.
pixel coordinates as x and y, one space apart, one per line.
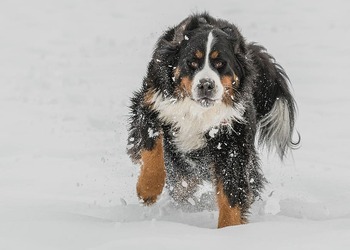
229 157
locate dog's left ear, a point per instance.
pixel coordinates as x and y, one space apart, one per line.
236 38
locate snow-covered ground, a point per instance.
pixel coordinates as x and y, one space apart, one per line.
67 70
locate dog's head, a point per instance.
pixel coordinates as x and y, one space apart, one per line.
201 59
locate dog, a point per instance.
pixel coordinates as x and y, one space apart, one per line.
209 99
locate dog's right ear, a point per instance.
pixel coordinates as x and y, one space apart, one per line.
179 31
170 42
165 59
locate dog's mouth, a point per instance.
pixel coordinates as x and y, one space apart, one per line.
206 102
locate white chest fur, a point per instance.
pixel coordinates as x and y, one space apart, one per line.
191 121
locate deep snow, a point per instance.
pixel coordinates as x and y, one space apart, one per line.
67 70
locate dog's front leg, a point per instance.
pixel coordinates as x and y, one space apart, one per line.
229 214
145 147
152 177
234 168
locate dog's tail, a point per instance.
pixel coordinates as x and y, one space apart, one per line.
276 107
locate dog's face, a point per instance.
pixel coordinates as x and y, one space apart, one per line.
207 71
196 79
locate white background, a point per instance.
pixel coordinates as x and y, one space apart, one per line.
67 71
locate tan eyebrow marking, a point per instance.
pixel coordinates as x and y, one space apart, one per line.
199 54
214 54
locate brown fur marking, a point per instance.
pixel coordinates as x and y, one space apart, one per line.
199 54
185 87
148 97
226 82
152 177
228 216
186 83
214 54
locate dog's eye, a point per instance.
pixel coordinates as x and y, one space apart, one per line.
219 64
193 64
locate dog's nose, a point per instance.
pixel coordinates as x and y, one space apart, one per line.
206 85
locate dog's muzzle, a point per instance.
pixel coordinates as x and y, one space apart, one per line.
206 90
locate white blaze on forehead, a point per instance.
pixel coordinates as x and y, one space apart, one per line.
208 72
210 42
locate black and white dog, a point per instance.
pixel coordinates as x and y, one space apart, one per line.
207 95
